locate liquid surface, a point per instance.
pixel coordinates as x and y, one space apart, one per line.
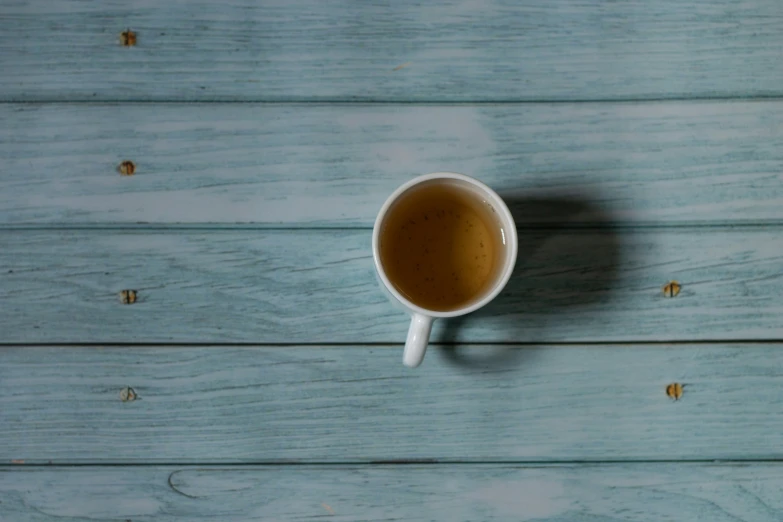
440 245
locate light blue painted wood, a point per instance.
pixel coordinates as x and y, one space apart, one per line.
615 165
294 286
447 50
628 492
280 404
333 165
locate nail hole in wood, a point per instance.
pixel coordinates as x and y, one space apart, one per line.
127 168
127 394
128 38
672 289
128 296
674 391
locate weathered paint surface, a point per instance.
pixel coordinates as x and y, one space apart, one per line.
303 286
306 165
277 404
464 50
637 143
598 493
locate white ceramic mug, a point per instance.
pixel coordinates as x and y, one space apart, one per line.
421 318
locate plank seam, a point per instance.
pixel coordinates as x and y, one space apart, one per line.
395 101
209 227
389 464
319 344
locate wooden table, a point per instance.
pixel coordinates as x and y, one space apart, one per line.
224 167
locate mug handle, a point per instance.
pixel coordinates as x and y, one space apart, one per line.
418 338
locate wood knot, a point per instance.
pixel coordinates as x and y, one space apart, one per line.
128 296
671 289
128 38
674 391
127 394
127 168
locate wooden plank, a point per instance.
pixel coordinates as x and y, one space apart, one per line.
465 50
301 286
628 492
280 404
333 165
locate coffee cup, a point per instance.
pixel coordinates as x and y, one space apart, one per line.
444 245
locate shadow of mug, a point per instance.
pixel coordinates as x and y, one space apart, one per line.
568 259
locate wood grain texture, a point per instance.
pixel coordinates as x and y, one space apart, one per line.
334 165
448 50
282 404
629 492
302 286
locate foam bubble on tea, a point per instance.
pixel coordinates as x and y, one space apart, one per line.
441 246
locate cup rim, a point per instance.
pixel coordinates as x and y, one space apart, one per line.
511 244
